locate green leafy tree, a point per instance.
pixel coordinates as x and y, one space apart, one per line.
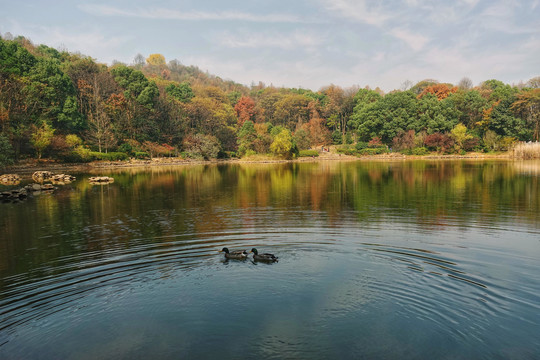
246 137
181 92
41 138
283 144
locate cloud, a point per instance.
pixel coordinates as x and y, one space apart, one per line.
269 40
89 42
365 11
414 41
170 14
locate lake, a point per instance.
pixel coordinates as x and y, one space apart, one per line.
408 260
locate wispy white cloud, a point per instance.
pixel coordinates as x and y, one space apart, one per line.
171 14
269 40
93 43
364 11
414 41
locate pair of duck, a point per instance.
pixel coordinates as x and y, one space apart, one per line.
242 254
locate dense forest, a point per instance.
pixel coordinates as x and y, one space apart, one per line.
68 107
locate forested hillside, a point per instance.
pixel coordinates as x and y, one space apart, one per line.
68 107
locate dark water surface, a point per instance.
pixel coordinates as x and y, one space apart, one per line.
412 260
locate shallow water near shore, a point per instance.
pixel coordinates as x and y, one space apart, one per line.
412 259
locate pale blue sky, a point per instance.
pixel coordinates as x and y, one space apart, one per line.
299 43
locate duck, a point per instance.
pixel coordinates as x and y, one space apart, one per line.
237 254
263 257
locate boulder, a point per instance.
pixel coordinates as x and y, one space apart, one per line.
10 179
101 180
62 179
41 176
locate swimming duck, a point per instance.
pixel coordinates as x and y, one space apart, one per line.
263 257
237 254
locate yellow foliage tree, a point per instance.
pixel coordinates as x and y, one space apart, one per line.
459 133
155 59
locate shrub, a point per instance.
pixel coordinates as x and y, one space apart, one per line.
373 151
346 150
375 142
142 155
471 144
110 156
419 151
308 153
202 146
361 145
439 142
126 148
404 140
73 140
84 154
74 157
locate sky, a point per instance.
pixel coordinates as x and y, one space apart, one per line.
298 43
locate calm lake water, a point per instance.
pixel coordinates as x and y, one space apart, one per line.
408 260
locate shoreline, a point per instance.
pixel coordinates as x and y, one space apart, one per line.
30 167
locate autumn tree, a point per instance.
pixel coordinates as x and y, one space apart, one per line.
460 135
155 60
441 91
528 105
245 109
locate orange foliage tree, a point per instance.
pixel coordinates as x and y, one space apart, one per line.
442 91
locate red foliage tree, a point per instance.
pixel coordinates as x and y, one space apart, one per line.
439 142
245 109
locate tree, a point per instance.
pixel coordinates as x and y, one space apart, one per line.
245 109
534 82
202 146
155 60
41 138
528 105
6 152
470 105
138 61
290 110
181 92
246 137
460 136
441 91
101 130
302 140
465 84
404 140
282 144
439 142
